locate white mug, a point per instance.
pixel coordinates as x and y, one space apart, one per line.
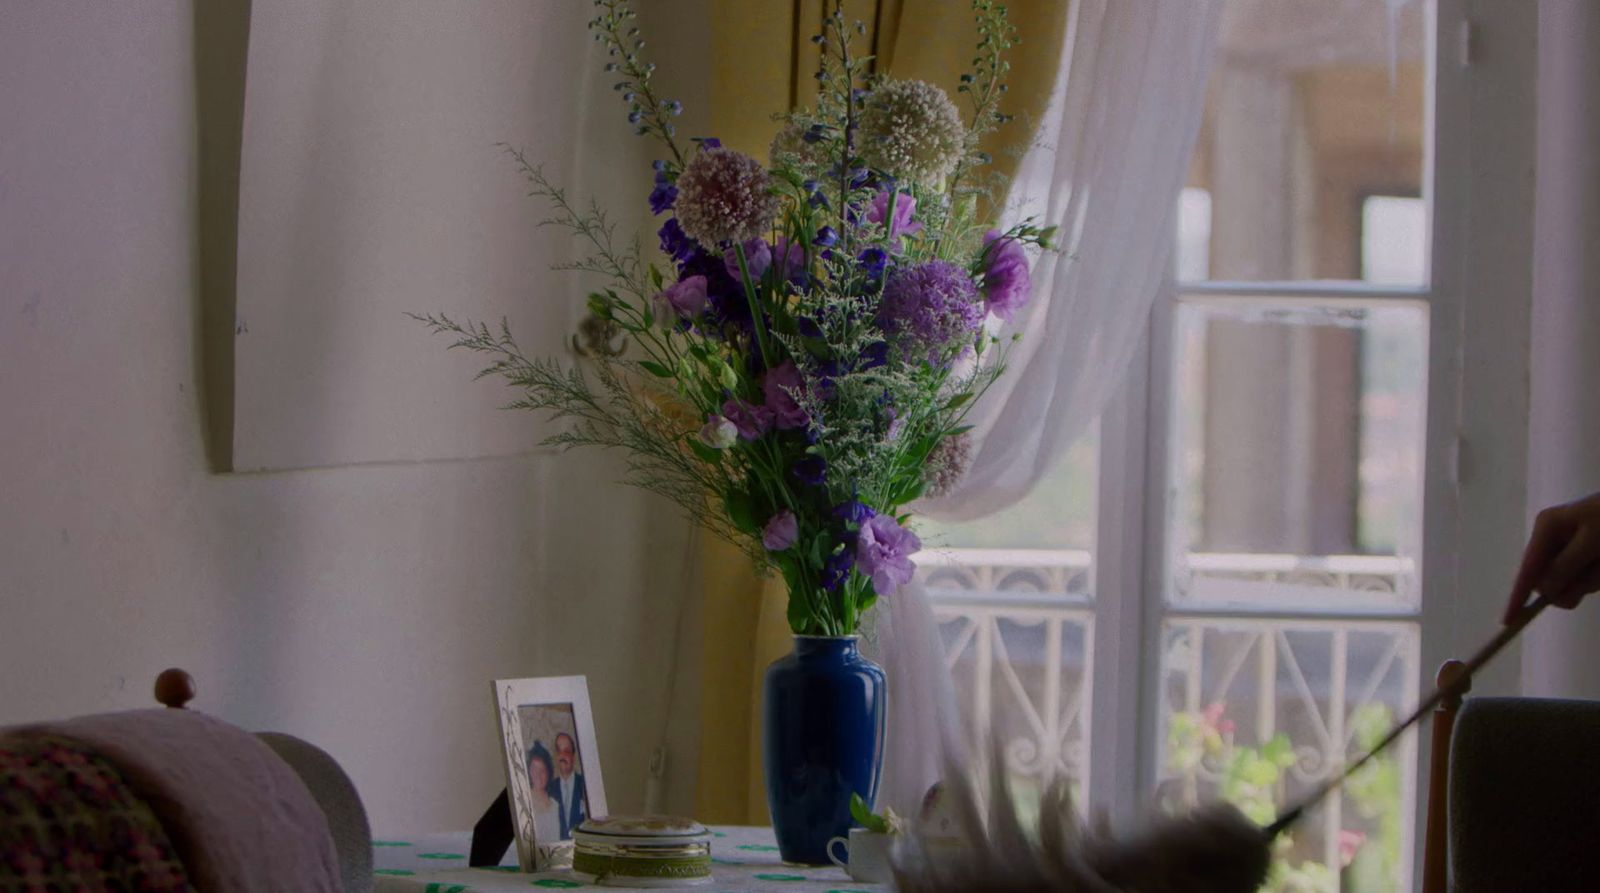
866 855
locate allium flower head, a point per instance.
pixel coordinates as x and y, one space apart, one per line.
722 197
929 308
947 465
791 148
911 129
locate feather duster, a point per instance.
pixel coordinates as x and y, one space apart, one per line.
1214 850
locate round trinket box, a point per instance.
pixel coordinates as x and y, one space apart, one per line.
643 851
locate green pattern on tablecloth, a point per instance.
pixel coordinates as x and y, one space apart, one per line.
391 843
744 860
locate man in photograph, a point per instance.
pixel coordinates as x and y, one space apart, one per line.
567 787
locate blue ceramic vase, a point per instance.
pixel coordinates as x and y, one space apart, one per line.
823 741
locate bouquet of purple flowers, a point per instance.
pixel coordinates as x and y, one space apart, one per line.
803 359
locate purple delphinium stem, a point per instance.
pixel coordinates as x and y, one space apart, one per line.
849 121
637 74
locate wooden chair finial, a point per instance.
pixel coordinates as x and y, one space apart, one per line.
1450 676
174 688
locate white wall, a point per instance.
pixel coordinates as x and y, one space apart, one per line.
364 608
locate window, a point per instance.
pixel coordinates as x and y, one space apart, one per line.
1220 591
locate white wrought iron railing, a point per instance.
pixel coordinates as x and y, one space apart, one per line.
1019 632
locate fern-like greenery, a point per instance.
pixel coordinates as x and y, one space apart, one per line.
768 390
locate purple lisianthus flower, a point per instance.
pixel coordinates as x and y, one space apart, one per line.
685 298
854 512
931 308
781 531
837 569
751 421
904 207
725 295
779 386
757 258
883 552
1006 281
719 432
663 195
675 243
811 470
790 258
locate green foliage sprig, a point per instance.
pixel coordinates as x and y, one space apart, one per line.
786 404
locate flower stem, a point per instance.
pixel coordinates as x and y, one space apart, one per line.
757 323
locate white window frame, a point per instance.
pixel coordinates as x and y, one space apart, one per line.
1480 121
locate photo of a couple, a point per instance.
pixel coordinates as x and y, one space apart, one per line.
560 800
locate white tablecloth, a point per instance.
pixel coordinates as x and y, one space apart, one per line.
743 860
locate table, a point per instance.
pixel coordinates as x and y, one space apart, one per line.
743 860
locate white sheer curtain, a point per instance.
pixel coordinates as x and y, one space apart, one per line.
1111 156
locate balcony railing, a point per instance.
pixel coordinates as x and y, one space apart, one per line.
1297 685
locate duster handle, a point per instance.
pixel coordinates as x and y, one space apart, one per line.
1455 687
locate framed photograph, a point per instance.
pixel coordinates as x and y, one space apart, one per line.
552 765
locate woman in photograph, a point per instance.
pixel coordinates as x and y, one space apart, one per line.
546 814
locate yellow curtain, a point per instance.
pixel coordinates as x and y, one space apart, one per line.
764 60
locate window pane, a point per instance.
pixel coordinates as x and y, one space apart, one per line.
1296 454
1259 712
1194 235
1058 514
1023 674
1311 107
1393 248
